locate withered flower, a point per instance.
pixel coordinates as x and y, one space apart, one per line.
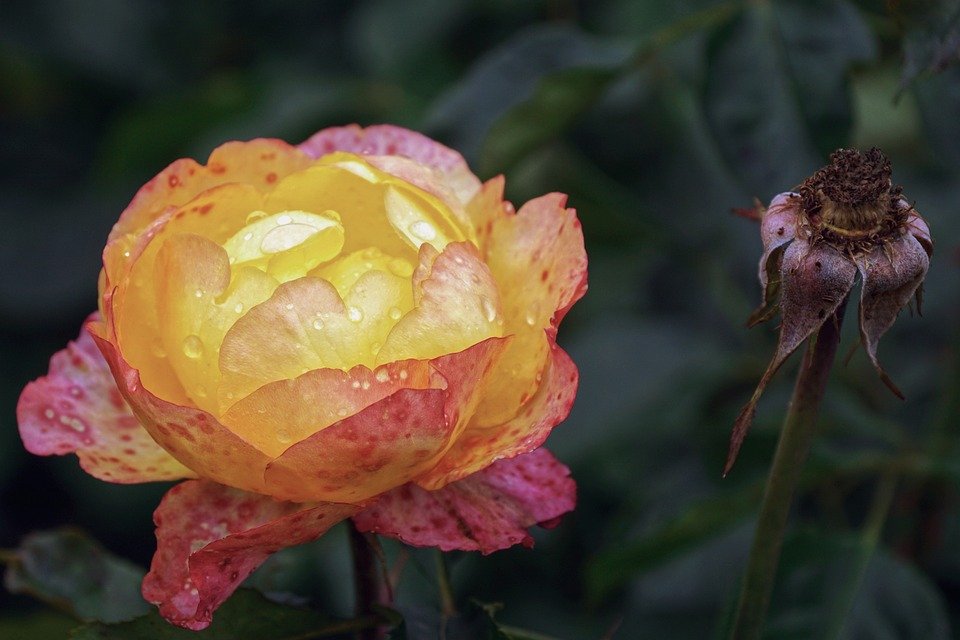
848 217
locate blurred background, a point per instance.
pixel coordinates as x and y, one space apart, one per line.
657 117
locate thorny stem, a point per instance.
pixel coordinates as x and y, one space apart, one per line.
792 449
369 588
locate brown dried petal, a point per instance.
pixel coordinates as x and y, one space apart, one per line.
892 273
815 280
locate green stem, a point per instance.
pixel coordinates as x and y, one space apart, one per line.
368 587
869 538
788 461
448 604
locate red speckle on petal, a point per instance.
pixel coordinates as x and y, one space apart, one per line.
173 180
268 156
271 177
205 209
217 168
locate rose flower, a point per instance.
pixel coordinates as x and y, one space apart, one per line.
352 328
847 218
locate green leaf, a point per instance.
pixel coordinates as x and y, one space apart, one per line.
70 570
549 73
776 94
832 586
697 524
247 614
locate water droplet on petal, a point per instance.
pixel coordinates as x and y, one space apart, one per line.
288 306
198 293
238 308
192 346
366 385
49 413
355 384
489 310
395 313
318 324
382 375
403 374
423 230
342 411
355 314
284 219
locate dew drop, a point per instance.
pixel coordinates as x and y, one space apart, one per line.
49 413
342 411
248 235
284 219
355 384
395 313
318 324
355 314
198 293
366 385
238 308
489 310
403 374
423 230
382 375
192 346
288 306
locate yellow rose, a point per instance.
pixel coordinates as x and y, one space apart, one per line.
356 327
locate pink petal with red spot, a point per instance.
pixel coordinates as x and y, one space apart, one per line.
891 276
389 442
479 447
192 436
211 537
77 408
388 140
778 227
488 511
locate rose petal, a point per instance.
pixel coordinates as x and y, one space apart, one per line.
891 276
488 511
485 208
388 140
815 280
778 227
259 162
539 262
307 326
77 407
478 447
135 317
211 537
458 305
390 442
192 436
288 411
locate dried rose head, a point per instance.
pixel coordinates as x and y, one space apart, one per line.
846 217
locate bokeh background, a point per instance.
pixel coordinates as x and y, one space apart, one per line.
657 117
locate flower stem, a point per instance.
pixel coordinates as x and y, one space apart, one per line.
447 601
368 586
792 449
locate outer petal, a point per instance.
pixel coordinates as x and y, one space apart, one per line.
259 162
478 447
488 511
211 537
539 262
778 226
891 276
388 140
390 442
816 280
77 407
192 436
